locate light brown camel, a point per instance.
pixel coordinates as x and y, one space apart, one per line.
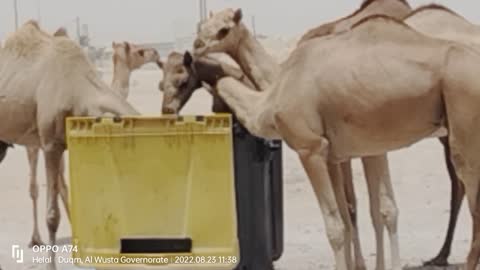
61 83
240 44
32 155
379 87
180 82
126 58
440 22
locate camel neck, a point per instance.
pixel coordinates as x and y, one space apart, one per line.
258 65
251 108
121 79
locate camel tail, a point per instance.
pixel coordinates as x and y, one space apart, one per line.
3 150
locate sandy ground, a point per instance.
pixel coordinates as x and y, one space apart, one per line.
419 176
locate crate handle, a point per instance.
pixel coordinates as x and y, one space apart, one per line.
198 119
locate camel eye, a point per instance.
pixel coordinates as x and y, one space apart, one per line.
223 33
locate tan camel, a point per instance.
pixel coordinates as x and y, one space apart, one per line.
128 57
180 82
32 155
242 47
440 22
61 83
356 97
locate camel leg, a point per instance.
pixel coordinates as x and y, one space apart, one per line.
472 191
389 210
63 187
314 160
458 192
352 208
338 184
32 154
461 99
383 209
52 161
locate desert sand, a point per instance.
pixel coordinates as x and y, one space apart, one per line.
419 176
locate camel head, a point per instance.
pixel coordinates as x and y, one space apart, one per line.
219 32
134 56
178 83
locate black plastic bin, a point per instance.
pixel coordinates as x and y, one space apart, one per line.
259 194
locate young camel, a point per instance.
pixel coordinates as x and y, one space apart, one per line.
61 83
440 22
127 58
240 44
379 87
179 82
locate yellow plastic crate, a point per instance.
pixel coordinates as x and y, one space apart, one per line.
153 178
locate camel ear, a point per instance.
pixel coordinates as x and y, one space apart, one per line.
127 47
187 59
237 17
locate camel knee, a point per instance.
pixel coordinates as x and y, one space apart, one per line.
53 219
389 212
336 231
33 190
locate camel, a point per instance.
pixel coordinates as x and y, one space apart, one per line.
61 83
261 67
440 22
32 156
337 76
128 57
179 81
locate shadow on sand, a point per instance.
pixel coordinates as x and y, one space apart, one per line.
450 267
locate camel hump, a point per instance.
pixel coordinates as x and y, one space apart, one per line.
380 27
33 23
430 7
61 32
378 19
367 3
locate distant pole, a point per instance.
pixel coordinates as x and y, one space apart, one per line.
78 28
254 27
15 10
39 11
203 12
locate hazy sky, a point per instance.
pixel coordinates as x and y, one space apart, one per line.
159 20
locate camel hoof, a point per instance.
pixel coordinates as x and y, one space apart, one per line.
36 243
438 261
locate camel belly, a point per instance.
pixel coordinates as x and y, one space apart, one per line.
385 127
18 123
